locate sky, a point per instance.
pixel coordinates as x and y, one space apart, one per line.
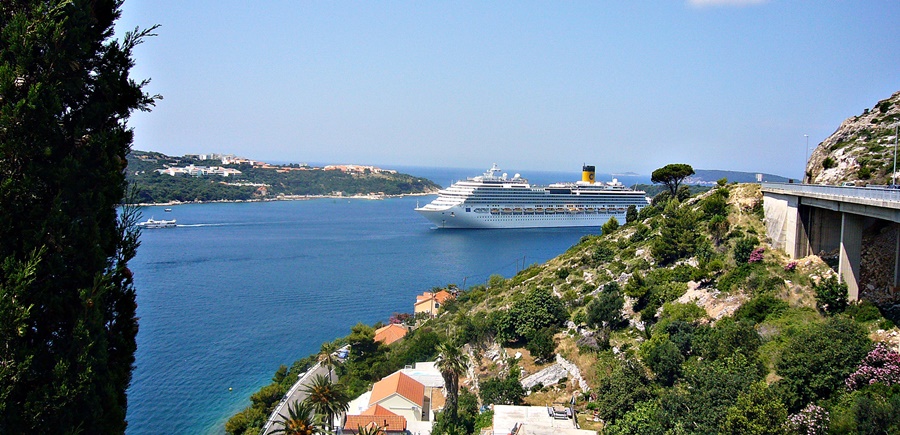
627 86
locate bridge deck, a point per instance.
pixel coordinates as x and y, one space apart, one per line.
870 196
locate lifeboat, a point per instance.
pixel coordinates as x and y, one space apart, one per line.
539 210
506 210
550 210
529 211
495 211
591 210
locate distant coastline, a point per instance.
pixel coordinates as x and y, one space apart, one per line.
161 179
282 198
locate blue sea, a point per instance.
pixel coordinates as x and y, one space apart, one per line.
238 289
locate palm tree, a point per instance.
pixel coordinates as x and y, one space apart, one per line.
327 357
326 398
370 429
299 420
452 362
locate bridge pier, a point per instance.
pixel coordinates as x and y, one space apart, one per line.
851 247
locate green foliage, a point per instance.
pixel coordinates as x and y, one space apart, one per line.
645 419
756 412
621 387
679 236
68 298
672 175
709 388
721 182
718 227
872 410
675 312
831 295
326 398
631 214
816 361
863 311
538 309
503 390
742 249
610 226
663 357
757 309
715 205
541 345
267 397
727 338
251 419
606 308
660 286
828 163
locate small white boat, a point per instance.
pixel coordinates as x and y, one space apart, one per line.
153 223
167 210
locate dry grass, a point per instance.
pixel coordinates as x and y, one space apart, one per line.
586 362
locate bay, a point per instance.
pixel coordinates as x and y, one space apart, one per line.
238 289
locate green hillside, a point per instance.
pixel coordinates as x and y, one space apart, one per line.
257 183
682 321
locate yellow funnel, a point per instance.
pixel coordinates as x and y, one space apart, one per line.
587 174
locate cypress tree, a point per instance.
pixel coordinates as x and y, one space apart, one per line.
67 302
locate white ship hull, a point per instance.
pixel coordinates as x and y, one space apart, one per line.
457 217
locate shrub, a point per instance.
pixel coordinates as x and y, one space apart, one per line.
631 214
541 345
606 309
828 163
743 248
757 309
881 365
756 255
863 311
663 357
718 228
610 226
818 360
812 420
790 267
831 295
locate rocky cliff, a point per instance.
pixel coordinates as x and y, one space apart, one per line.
861 150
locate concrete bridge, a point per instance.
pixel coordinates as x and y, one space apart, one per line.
804 219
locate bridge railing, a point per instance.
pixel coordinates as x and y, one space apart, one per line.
874 193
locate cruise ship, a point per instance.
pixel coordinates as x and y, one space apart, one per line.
494 200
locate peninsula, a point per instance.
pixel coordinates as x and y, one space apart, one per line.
160 178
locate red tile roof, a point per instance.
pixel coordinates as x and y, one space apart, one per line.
377 410
398 383
390 333
390 423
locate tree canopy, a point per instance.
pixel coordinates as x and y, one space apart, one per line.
68 312
672 175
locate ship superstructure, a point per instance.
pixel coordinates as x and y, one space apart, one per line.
494 200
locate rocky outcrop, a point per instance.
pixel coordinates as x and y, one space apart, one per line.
861 150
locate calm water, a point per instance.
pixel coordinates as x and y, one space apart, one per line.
238 289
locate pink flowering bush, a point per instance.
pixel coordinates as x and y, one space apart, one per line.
812 420
881 365
756 256
790 267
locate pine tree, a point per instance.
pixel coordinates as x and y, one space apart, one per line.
67 302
